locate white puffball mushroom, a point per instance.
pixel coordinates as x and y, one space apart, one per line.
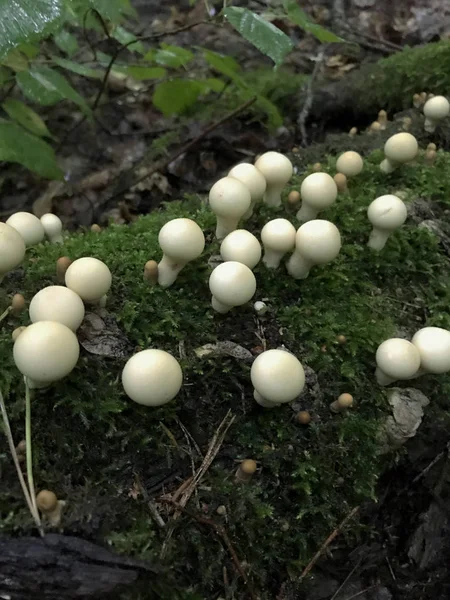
350 164
29 227
231 284
435 110
316 243
241 246
396 359
152 377
260 308
57 303
181 241
254 180
277 170
386 213
278 237
12 249
278 377
90 278
52 227
399 149
229 199
433 344
46 352
318 191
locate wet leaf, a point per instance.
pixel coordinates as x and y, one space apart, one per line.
300 18
177 95
25 116
99 334
66 42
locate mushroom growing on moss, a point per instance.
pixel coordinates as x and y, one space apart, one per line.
399 149
436 109
49 505
342 403
277 170
231 284
396 359
57 303
62 264
12 249
254 180
277 376
350 164
386 213
15 308
229 199
433 344
29 227
341 182
318 191
53 228
151 271
246 470
278 238
316 243
241 246
90 278
181 241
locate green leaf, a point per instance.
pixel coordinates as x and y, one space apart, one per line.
142 73
19 146
214 84
77 68
27 21
66 42
224 64
300 18
111 10
25 116
16 61
125 37
6 76
173 56
177 95
30 50
267 38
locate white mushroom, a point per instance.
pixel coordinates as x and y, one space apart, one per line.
231 284
278 377
435 110
57 303
386 213
277 170
316 243
278 238
433 344
52 227
152 377
241 246
350 164
181 241
254 180
12 249
399 149
29 227
318 191
396 359
46 352
90 278
229 199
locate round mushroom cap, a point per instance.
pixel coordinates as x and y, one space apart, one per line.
401 148
57 303
232 283
278 235
397 358
387 212
12 248
436 108
29 227
229 197
319 190
88 277
152 377
46 351
318 241
52 224
181 239
277 376
241 246
252 178
433 344
276 168
350 163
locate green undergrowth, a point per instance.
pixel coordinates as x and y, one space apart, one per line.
106 455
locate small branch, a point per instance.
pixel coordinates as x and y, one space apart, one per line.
29 450
344 583
369 589
310 95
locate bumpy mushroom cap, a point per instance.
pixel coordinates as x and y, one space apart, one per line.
241 246
229 199
29 227
181 241
52 227
12 249
231 284
152 377
350 164
253 179
278 237
386 213
57 303
277 170
435 110
277 376
318 191
399 149
88 277
433 344
396 359
317 242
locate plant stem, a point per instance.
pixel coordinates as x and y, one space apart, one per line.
28 444
5 313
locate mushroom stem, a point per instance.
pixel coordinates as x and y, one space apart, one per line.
246 470
272 258
263 401
378 239
298 266
168 270
388 166
382 378
219 306
307 213
272 195
225 225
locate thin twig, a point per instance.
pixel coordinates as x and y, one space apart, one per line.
369 589
310 94
5 313
29 450
435 460
344 583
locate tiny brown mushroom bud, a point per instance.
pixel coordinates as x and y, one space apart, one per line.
342 403
50 506
295 150
406 123
323 348
417 102
284 525
341 339
382 119
430 157
294 197
431 146
423 97
341 182
317 167
151 271
62 264
17 304
246 470
303 417
15 334
375 127
96 228
353 131
21 447
221 510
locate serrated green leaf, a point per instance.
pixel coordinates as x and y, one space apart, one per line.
300 18
25 116
173 56
77 68
66 42
19 146
177 95
15 60
125 37
141 73
267 38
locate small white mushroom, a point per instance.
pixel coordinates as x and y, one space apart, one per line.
350 164
260 308
229 199
29 227
386 213
278 238
254 180
318 191
433 344
181 241
90 278
435 110
57 303
316 243
152 377
241 246
399 149
46 352
277 170
396 359
53 228
231 284
12 249
278 377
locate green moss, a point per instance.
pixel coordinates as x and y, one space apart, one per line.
99 450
